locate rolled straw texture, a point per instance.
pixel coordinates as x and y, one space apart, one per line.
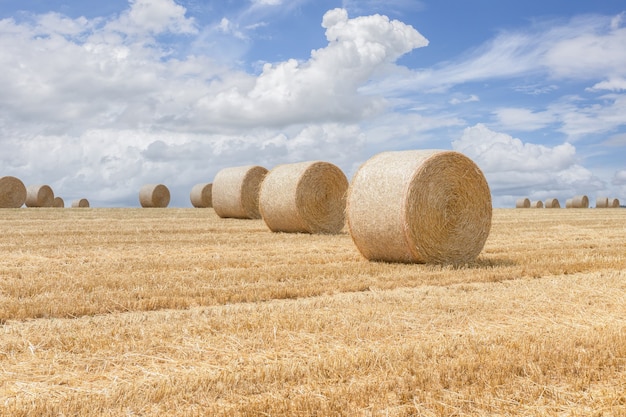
602 202
536 204
305 197
39 196
58 202
12 192
201 195
422 206
614 203
154 196
80 203
580 201
568 203
236 192
552 203
522 203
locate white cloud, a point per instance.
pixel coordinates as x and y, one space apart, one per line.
521 119
620 177
612 84
154 17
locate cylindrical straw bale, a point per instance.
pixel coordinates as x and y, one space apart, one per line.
80 203
12 192
552 203
39 196
580 201
536 204
568 203
236 192
522 203
201 195
422 206
602 202
614 203
58 202
305 197
154 196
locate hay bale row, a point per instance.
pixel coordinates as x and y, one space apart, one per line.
605 202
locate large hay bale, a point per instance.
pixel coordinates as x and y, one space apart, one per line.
580 201
423 206
201 195
12 192
80 203
154 196
39 196
614 203
568 203
522 203
305 197
536 204
552 203
58 202
602 202
236 192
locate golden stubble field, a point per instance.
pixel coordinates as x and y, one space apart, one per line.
155 312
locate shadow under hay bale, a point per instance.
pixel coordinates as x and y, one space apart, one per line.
154 196
201 195
305 197
522 203
80 203
39 196
236 192
552 203
422 206
12 192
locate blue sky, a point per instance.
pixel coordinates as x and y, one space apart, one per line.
99 98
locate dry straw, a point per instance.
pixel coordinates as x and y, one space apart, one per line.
154 196
80 203
552 203
522 203
602 202
39 196
568 203
614 203
305 197
580 201
58 202
536 204
201 195
236 192
12 192
424 206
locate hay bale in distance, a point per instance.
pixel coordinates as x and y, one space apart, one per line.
420 206
522 203
201 195
568 203
12 192
154 196
552 203
305 197
580 201
39 196
58 202
602 202
536 204
236 192
80 203
614 203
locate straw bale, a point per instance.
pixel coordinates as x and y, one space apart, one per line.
602 202
58 202
201 195
154 196
39 196
580 201
568 203
305 197
12 192
536 204
422 206
522 203
80 203
236 192
614 203
552 203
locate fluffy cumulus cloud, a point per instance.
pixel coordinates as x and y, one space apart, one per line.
517 169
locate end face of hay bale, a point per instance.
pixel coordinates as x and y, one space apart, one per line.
522 203
154 196
305 197
236 192
552 203
602 202
429 206
39 196
201 195
80 203
580 201
58 202
536 204
12 192
614 203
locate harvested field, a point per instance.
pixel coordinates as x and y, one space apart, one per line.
178 312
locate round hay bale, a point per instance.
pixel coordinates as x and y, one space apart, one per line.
236 192
614 203
568 203
154 196
552 203
422 206
580 201
602 202
12 192
305 197
58 202
536 204
201 195
80 203
522 203
39 196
